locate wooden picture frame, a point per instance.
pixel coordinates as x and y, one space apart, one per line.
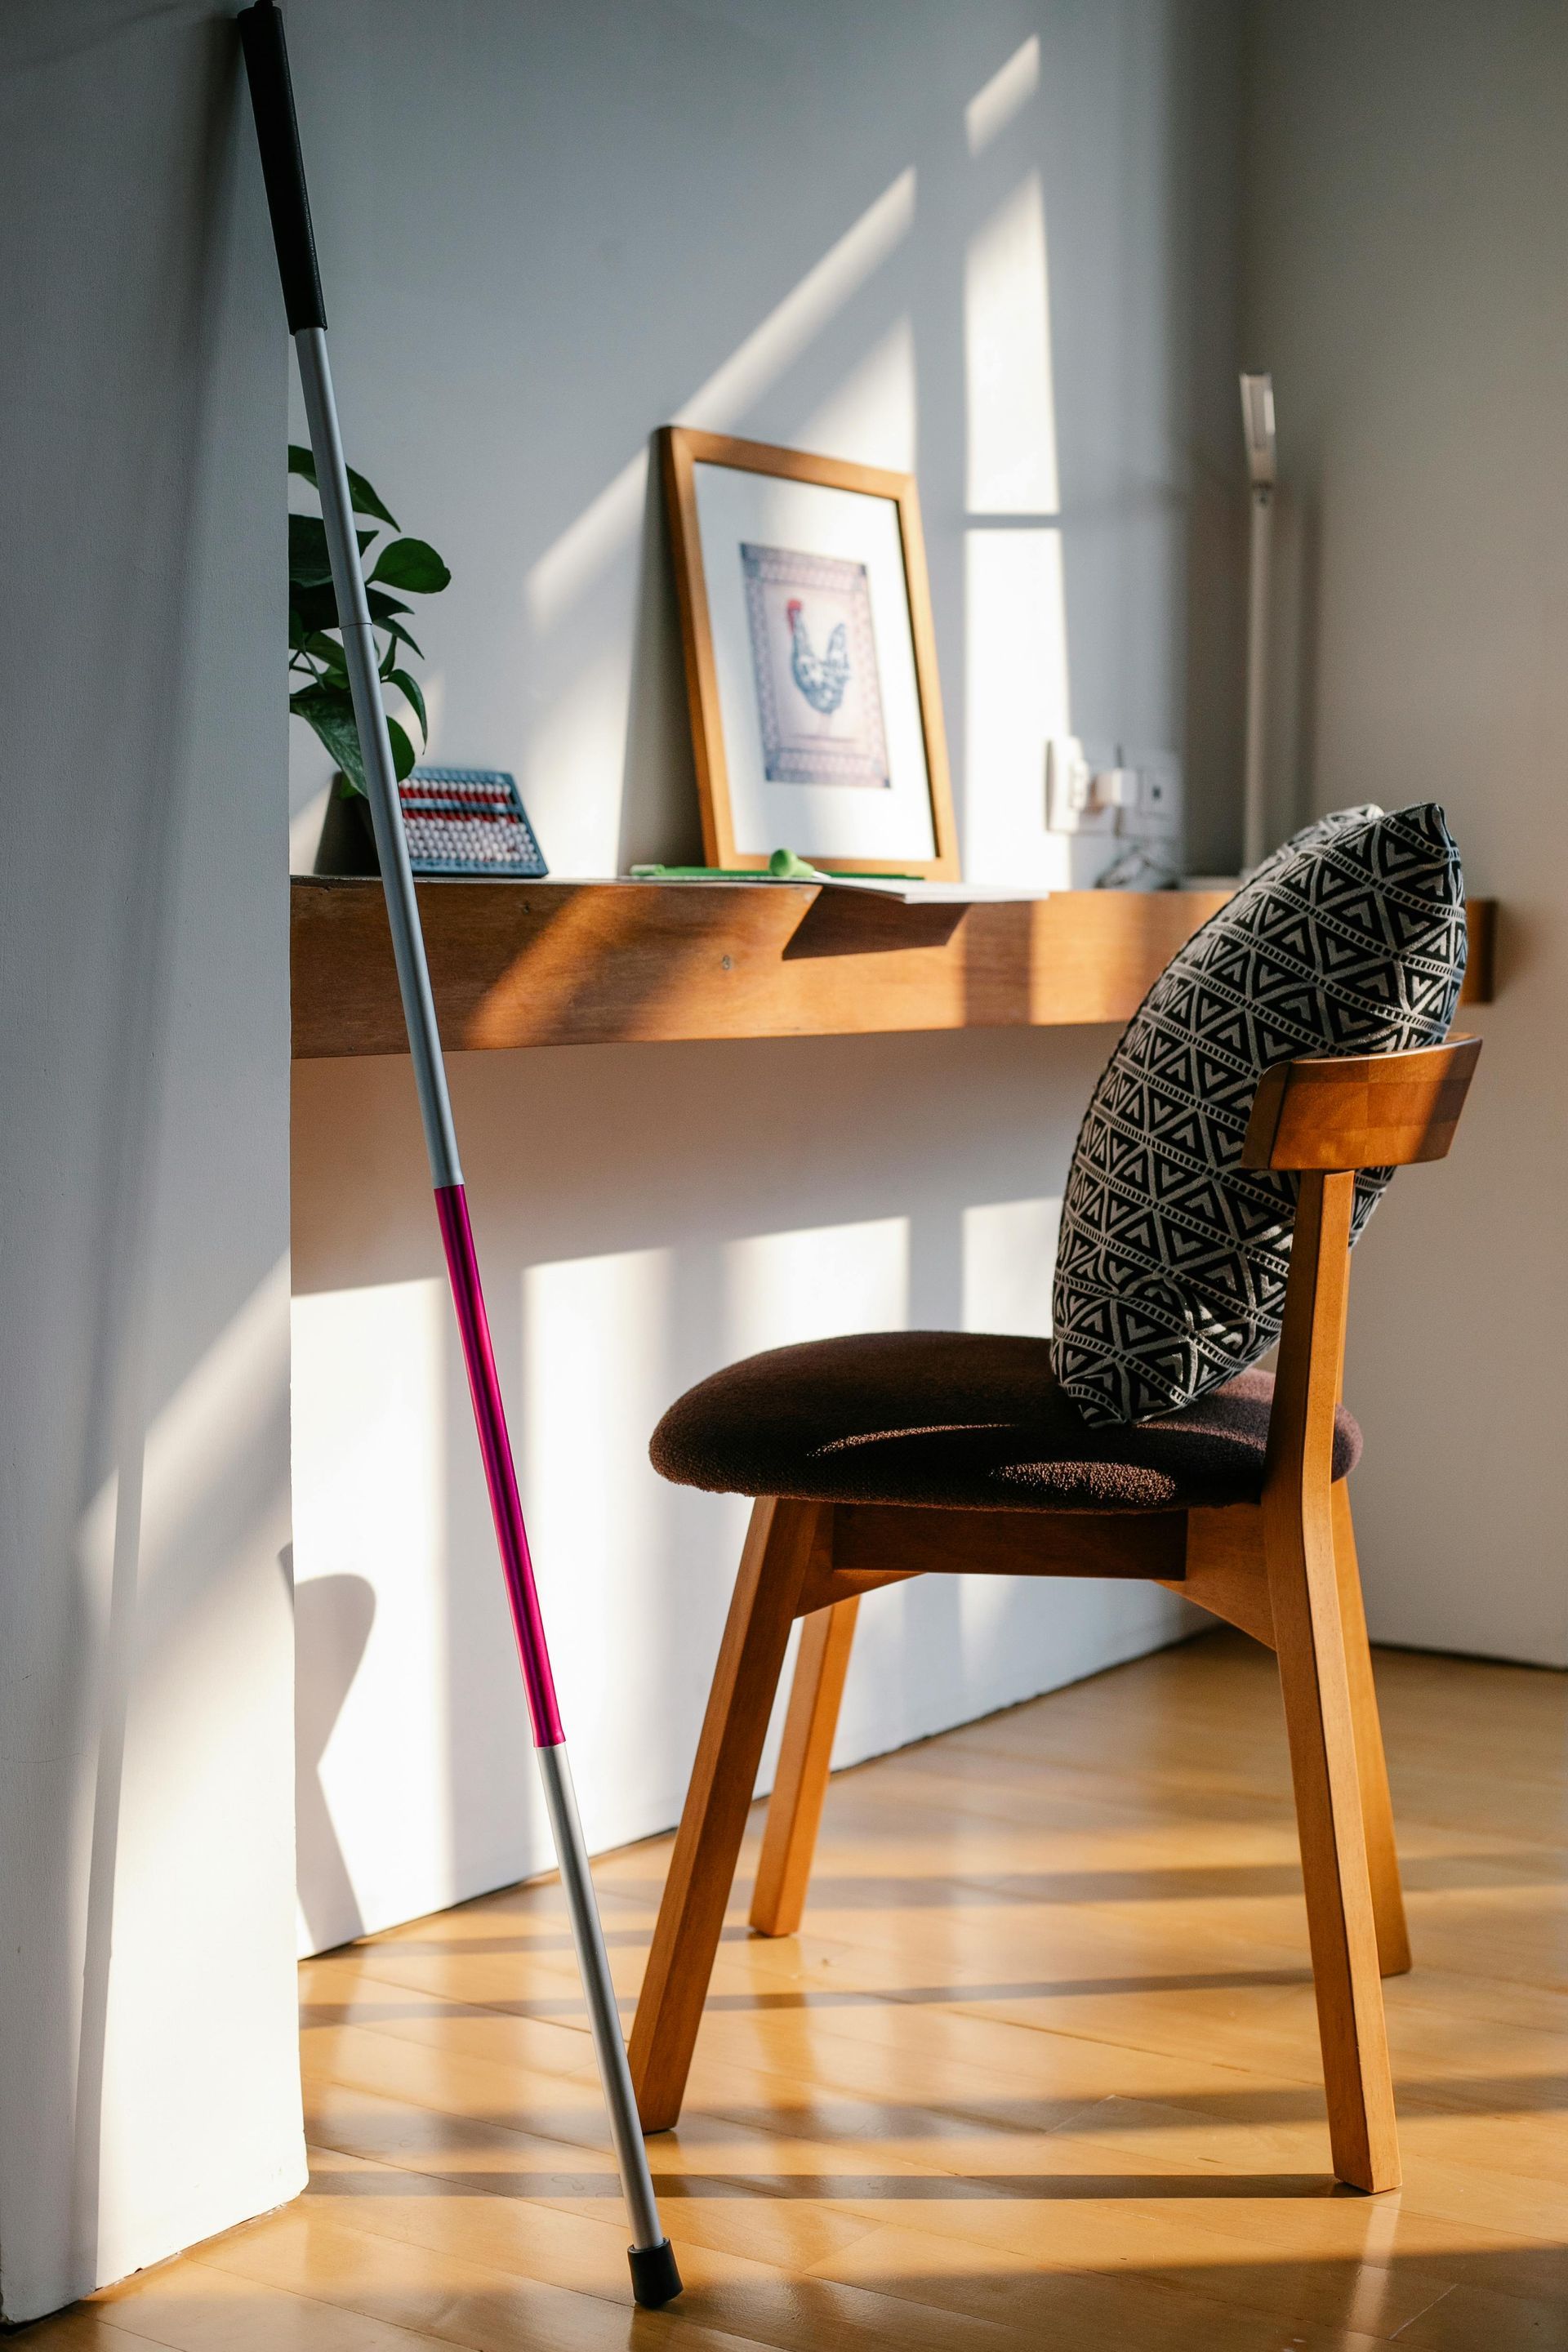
682 449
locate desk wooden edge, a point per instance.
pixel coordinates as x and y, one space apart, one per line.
554 963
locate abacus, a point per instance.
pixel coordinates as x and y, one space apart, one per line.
467 821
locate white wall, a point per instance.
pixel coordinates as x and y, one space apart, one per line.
1406 261
996 243
149 2083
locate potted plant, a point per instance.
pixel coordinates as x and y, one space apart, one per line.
315 638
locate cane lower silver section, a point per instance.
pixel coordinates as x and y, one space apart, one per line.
637 2181
375 750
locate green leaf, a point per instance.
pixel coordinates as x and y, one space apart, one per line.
402 750
311 608
409 689
367 502
383 606
329 710
398 635
411 563
327 649
395 634
329 703
303 462
308 563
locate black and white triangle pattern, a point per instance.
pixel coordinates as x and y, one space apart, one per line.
1173 1261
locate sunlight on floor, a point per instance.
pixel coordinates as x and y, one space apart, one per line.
1041 2068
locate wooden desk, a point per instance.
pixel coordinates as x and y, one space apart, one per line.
597 964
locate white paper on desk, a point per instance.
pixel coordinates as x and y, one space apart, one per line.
878 885
932 894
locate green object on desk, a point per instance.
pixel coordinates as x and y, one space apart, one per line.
783 866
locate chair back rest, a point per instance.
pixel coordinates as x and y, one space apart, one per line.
1324 1119
1363 1110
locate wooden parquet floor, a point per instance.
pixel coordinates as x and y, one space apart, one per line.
1040 2072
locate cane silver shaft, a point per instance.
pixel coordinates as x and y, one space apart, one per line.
376 750
593 1963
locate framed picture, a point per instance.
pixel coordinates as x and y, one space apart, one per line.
810 659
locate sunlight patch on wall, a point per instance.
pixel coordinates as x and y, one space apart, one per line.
870 417
191 1743
185 1612
1015 698
1012 454
1009 1257
817 1283
603 531
795 323
998 101
607 525
577 742
595 1379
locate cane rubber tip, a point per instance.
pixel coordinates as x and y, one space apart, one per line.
654 2279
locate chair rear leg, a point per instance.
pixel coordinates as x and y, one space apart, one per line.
795 1810
778 1549
1304 1588
1372 1769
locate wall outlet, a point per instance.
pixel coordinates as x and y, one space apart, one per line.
1075 773
1153 811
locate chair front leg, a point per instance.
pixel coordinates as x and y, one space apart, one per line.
779 1545
1309 1637
1372 1768
795 1808
1340 1920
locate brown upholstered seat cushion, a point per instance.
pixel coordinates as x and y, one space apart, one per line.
959 1419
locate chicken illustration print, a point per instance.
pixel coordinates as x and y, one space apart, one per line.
821 677
813 665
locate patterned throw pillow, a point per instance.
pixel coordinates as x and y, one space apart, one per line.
1172 1266
1313 835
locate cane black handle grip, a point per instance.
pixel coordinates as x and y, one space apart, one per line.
282 165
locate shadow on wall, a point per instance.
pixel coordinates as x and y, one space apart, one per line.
333 1618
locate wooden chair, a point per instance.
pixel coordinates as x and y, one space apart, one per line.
1281 1566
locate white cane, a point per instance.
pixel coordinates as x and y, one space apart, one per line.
655 2278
